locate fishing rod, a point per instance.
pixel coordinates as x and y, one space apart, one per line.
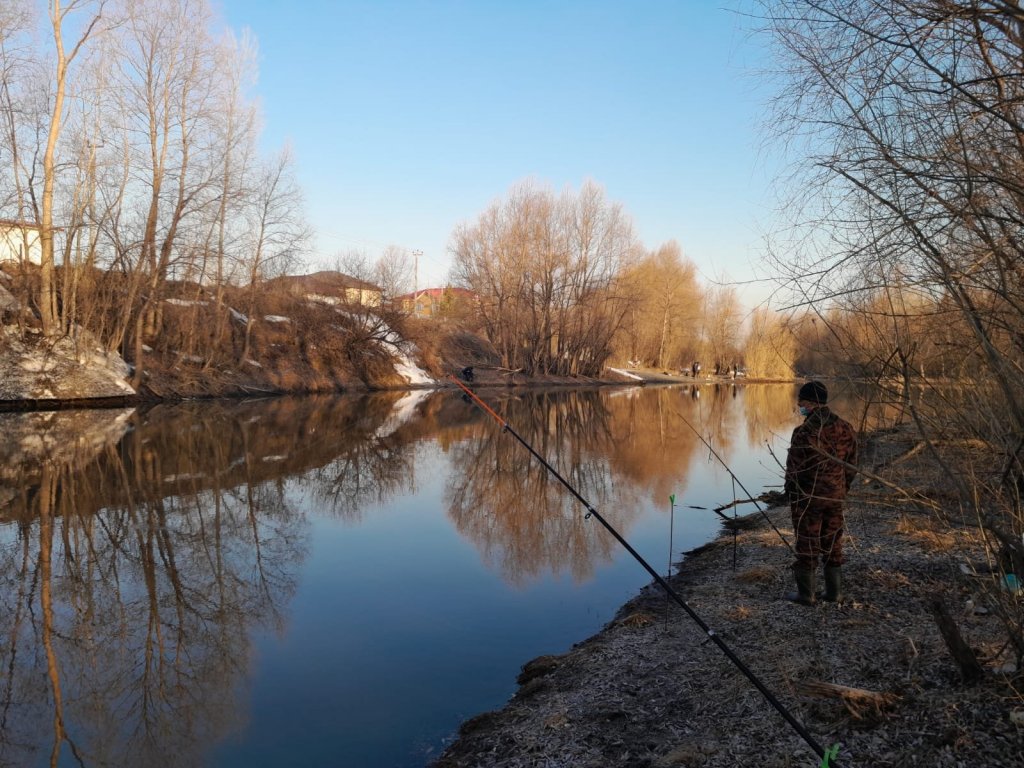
736 480
827 756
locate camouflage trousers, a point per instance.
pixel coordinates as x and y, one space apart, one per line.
819 533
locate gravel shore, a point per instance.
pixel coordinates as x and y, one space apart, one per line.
872 674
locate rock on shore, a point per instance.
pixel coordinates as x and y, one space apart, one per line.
34 368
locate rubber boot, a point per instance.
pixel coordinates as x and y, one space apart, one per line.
805 580
833 584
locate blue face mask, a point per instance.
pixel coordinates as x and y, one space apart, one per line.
805 411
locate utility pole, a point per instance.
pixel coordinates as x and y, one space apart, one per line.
416 280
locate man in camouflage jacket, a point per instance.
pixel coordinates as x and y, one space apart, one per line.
817 485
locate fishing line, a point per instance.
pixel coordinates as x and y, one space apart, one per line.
736 480
712 635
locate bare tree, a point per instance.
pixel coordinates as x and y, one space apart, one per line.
394 271
722 327
63 60
547 270
662 317
907 115
23 106
168 75
279 231
235 136
770 348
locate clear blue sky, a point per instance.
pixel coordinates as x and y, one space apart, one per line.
407 118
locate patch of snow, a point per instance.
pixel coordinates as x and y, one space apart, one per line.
253 363
7 301
402 411
404 366
72 367
274 458
37 364
186 302
320 298
627 374
411 372
31 444
182 477
146 348
276 319
626 392
99 358
238 316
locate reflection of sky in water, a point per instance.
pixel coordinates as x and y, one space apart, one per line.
399 630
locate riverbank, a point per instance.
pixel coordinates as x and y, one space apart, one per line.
872 674
36 374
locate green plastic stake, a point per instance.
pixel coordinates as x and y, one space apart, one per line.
830 754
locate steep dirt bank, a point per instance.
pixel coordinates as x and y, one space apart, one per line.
39 373
652 690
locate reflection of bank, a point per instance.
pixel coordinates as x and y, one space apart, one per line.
145 601
70 440
148 548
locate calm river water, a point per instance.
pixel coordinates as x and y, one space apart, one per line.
333 581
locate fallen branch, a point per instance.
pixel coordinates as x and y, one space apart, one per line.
963 655
859 702
768 498
967 442
916 449
735 503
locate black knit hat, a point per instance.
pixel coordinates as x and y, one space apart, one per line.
814 392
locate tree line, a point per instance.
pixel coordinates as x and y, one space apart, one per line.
564 285
129 138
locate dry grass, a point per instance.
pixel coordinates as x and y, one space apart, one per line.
739 613
927 533
758 575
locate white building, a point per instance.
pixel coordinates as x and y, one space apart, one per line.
20 242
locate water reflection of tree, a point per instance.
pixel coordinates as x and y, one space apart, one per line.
615 450
770 410
137 613
372 460
620 449
137 568
514 511
660 435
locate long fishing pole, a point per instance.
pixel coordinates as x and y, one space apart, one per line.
828 757
736 480
671 548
